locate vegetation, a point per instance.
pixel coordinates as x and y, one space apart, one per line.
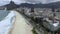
45 32
34 32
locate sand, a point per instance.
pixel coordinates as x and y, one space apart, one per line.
20 26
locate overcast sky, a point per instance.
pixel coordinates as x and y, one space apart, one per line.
3 2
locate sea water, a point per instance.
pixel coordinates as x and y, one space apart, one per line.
6 21
3 14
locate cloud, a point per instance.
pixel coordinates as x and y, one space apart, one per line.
33 1
19 1
41 1
3 2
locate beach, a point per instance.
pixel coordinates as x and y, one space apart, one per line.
20 25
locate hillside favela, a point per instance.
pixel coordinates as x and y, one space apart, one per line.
29 17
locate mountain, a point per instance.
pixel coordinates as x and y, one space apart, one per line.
55 4
50 5
12 5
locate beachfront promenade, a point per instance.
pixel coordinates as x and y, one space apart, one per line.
20 26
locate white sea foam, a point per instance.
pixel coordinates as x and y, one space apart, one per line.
5 24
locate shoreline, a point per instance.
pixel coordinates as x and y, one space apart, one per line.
20 26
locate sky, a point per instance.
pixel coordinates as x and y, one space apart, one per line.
3 2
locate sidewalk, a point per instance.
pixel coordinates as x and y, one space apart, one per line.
21 26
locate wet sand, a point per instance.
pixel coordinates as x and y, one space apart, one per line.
20 26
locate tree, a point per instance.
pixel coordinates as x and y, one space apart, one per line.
34 32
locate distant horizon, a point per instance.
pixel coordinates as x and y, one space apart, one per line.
4 2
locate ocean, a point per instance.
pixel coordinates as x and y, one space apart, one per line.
6 21
3 14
